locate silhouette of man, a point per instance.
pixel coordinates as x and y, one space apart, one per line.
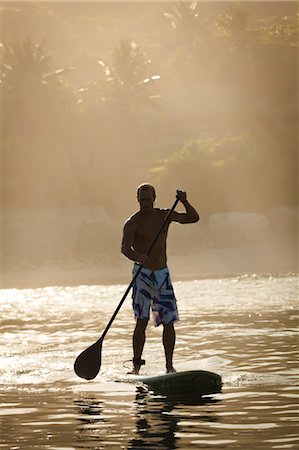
152 289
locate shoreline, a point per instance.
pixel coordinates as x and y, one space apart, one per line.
279 258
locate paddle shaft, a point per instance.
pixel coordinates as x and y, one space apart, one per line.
138 271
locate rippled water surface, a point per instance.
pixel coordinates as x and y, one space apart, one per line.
243 328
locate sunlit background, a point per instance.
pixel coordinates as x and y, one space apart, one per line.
97 97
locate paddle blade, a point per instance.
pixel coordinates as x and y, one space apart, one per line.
88 363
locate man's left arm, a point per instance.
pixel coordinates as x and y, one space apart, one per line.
190 215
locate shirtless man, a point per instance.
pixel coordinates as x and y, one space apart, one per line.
152 288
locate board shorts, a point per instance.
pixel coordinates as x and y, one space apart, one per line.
152 290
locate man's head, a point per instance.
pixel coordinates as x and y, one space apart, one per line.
146 196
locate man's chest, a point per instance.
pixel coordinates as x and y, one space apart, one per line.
148 228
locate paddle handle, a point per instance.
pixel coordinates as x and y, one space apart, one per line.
139 269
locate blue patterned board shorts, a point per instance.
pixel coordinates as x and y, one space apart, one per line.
153 290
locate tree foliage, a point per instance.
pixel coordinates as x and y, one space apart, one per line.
225 82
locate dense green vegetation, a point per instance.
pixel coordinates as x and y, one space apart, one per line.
98 97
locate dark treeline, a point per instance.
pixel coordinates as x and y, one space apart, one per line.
97 97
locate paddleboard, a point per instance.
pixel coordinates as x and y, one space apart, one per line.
190 382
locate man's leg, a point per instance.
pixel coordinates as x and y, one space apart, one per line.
138 343
169 342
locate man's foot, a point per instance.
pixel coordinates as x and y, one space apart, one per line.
137 363
170 370
134 371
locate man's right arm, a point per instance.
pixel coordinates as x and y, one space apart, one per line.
127 241
127 247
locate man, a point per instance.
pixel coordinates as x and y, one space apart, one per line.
152 288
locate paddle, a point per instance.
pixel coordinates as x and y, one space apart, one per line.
88 363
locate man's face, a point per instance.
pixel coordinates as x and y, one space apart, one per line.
146 199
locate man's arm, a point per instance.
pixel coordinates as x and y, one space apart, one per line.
127 244
190 216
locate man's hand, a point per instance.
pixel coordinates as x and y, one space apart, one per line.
181 196
190 215
142 259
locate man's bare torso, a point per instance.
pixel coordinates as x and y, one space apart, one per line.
145 226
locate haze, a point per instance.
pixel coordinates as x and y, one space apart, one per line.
99 97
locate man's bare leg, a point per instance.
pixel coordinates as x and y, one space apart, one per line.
169 342
138 343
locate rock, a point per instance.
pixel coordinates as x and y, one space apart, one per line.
44 233
285 221
237 228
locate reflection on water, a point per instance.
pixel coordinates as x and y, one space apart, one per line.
159 420
243 328
156 424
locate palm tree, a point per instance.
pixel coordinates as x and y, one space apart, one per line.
35 119
187 21
237 37
126 83
120 109
192 42
236 22
23 59
125 89
29 86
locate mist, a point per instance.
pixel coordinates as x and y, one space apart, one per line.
98 97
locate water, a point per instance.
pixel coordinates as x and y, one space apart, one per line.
242 328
